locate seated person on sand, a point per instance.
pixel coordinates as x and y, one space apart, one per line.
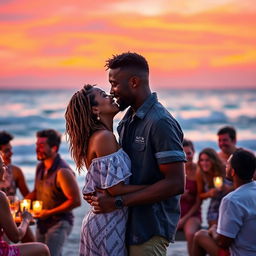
235 232
209 168
14 233
190 220
14 177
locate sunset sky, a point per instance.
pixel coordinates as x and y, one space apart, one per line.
188 43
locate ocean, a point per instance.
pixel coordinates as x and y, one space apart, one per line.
200 113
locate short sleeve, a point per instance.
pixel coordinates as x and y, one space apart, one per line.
167 139
230 218
107 171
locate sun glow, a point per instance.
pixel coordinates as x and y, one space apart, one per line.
187 43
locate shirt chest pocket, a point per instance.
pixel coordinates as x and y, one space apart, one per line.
139 147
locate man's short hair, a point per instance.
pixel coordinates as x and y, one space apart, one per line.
188 143
244 164
228 130
53 137
128 60
5 138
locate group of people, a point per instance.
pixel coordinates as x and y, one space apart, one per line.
200 183
55 185
134 185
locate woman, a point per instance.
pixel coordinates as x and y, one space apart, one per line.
14 233
210 166
190 203
89 125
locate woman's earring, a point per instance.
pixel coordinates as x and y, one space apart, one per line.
98 117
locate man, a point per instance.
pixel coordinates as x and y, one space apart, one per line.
237 221
226 142
153 140
14 177
56 186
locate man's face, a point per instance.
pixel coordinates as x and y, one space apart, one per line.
226 144
120 89
7 153
43 150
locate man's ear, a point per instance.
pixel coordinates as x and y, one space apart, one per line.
232 172
55 149
134 81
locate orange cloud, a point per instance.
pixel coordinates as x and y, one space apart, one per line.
183 42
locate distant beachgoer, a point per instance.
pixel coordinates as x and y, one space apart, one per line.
190 202
226 142
14 233
89 123
209 167
57 188
153 140
237 221
14 177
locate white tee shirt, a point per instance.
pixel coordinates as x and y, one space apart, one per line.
237 219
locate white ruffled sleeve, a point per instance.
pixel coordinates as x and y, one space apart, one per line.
107 171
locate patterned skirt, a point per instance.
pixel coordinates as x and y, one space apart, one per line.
104 234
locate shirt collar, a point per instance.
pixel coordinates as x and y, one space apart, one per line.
146 106
142 110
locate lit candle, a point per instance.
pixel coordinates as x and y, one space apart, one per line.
37 207
218 182
25 205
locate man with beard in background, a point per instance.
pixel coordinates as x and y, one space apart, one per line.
56 187
226 142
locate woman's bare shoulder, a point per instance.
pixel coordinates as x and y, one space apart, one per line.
104 143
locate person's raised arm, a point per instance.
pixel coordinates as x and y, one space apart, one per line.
14 233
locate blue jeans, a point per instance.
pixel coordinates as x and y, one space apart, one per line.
55 237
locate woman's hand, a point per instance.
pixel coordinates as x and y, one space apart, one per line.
26 216
88 197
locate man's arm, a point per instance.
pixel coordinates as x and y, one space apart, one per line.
67 182
221 240
20 181
172 184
